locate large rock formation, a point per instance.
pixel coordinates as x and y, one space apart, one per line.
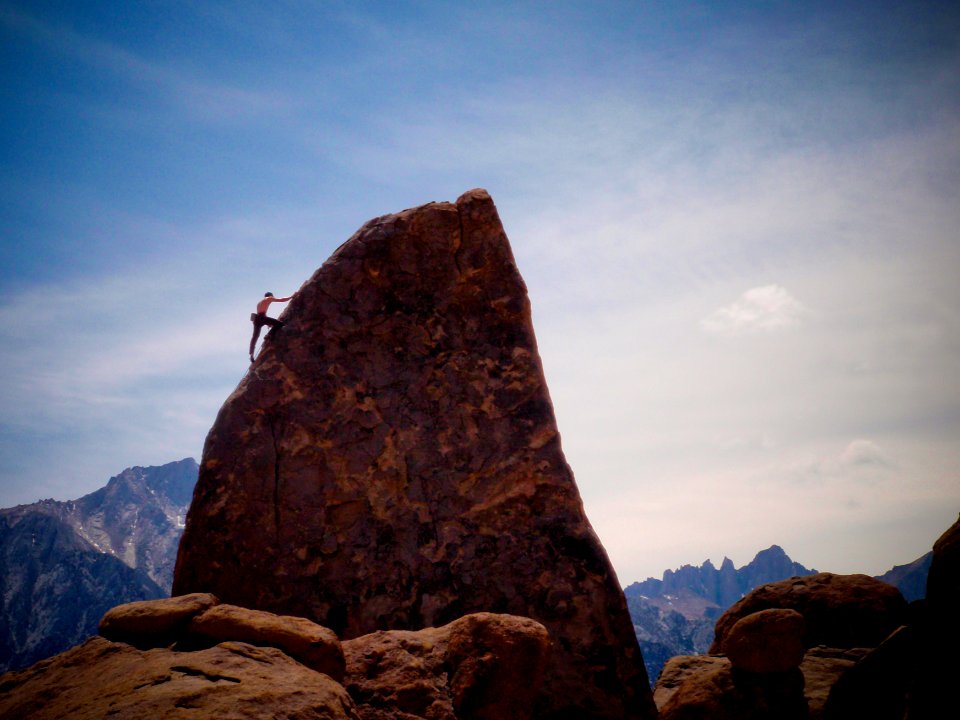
392 461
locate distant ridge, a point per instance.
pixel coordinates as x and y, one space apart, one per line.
63 564
910 579
675 615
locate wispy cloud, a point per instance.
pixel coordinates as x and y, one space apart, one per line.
761 309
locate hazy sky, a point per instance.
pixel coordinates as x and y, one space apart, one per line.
739 223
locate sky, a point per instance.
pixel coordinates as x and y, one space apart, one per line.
738 223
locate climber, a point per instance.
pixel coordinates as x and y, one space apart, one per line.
259 318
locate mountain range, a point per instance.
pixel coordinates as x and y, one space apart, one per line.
63 564
675 615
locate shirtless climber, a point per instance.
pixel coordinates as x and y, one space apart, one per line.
259 318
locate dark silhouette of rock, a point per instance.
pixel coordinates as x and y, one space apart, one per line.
876 686
766 641
719 691
839 610
480 667
943 584
937 632
392 461
313 645
103 679
821 668
64 564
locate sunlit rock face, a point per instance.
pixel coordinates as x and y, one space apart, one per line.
392 461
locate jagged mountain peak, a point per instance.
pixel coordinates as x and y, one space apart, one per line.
63 563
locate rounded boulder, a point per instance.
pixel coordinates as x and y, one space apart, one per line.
768 641
840 611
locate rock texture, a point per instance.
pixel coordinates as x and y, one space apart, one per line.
392 461
480 667
102 679
678 669
154 623
305 641
719 691
840 611
766 641
821 668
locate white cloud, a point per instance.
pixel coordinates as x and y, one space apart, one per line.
760 309
863 453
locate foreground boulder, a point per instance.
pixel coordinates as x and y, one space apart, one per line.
766 641
822 667
199 620
313 645
937 632
154 623
392 461
232 680
480 667
840 611
719 691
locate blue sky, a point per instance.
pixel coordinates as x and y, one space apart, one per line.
738 223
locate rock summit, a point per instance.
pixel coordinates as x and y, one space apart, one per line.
392 462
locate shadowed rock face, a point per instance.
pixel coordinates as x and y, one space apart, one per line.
392 461
839 611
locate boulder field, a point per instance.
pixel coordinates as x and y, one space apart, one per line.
826 647
192 656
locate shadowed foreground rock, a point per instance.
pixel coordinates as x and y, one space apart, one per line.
939 632
232 680
840 611
480 667
154 623
392 461
719 691
766 641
